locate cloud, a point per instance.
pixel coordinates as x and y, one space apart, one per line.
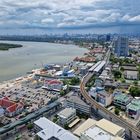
57 14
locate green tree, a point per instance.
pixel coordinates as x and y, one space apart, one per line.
36 137
74 81
62 92
30 126
134 91
117 111
117 74
66 126
122 69
55 119
135 83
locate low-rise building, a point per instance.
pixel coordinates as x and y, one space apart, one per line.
122 100
101 96
100 130
47 130
133 109
53 84
80 106
104 98
131 75
66 116
83 70
11 108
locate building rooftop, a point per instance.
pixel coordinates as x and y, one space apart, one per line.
52 131
66 112
96 133
134 105
98 68
77 100
122 97
103 124
87 124
129 72
107 126
128 67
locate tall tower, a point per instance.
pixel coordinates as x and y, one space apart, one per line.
121 47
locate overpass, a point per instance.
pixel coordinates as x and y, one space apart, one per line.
133 132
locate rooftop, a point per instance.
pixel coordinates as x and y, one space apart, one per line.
129 72
98 68
77 100
134 105
128 67
103 124
122 97
107 126
96 133
52 131
66 112
87 124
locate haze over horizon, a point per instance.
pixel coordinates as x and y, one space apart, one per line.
72 16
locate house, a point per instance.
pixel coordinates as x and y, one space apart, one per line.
11 108
133 109
53 84
122 100
66 116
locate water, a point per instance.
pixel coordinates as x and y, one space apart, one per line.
16 62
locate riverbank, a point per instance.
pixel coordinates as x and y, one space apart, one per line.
7 46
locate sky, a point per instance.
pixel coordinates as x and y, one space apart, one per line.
72 16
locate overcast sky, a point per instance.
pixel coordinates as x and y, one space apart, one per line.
66 15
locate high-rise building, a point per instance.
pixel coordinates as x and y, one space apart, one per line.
121 47
108 37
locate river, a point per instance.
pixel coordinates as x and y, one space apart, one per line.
16 62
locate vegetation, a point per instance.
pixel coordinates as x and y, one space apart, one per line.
135 83
6 46
55 119
66 126
74 81
122 69
90 83
30 126
82 116
117 111
62 92
134 91
36 137
117 74
121 61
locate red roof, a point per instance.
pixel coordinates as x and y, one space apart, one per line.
51 82
55 82
10 105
